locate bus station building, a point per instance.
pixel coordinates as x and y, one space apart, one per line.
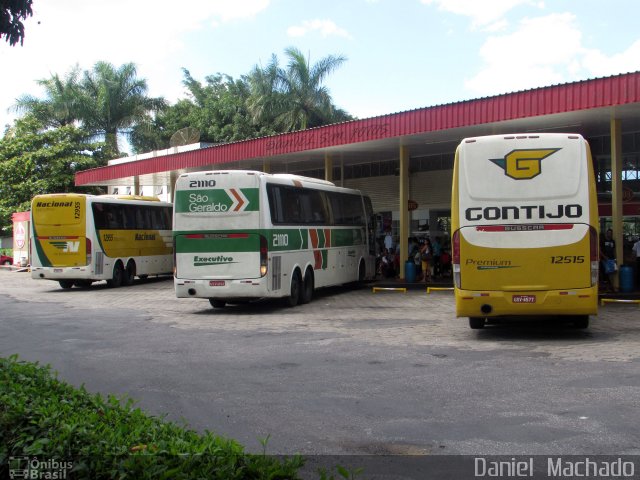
404 160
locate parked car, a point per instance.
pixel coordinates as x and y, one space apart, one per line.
6 260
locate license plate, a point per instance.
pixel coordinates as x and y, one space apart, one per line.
216 283
524 299
57 270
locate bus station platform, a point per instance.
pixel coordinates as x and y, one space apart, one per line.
445 284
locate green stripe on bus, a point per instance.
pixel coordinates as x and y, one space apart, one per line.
217 200
279 240
44 260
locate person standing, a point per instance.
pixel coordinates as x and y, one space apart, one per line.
437 249
608 258
636 251
426 254
388 241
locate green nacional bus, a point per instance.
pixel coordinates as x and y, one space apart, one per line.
242 235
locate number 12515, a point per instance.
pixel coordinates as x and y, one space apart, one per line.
568 259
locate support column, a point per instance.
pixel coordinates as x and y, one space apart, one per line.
173 178
136 185
403 234
328 167
616 189
266 166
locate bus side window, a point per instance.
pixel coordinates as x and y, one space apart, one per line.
128 217
167 216
275 204
99 216
336 208
315 212
112 213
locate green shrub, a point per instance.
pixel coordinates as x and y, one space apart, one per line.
43 417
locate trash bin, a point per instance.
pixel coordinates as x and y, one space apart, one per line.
410 271
626 279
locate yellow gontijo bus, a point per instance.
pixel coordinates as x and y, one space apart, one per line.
77 239
525 228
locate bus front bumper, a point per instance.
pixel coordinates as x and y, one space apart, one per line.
471 303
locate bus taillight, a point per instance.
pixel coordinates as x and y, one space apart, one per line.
593 244
264 254
88 250
455 258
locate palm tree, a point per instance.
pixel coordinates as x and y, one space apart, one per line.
61 105
114 100
295 97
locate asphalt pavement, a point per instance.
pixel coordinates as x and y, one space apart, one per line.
353 372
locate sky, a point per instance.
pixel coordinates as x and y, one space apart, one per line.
401 54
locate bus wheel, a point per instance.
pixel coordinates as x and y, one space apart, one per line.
296 285
129 273
476 322
307 287
66 284
118 274
581 321
217 303
83 283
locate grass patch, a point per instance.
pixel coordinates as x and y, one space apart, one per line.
43 417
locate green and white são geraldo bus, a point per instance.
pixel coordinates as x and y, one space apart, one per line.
242 235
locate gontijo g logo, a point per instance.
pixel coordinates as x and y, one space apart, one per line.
524 164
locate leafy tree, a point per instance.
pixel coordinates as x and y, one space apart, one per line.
221 113
156 131
12 13
35 161
62 103
218 108
114 100
295 97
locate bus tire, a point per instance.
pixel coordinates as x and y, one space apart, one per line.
306 293
129 273
66 284
118 274
217 303
476 323
581 321
296 286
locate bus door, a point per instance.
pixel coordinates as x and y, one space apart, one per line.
217 227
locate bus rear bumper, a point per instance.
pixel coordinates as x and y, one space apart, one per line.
221 289
66 273
471 303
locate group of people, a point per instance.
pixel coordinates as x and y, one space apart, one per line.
431 260
609 263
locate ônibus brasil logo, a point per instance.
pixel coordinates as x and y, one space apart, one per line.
524 164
